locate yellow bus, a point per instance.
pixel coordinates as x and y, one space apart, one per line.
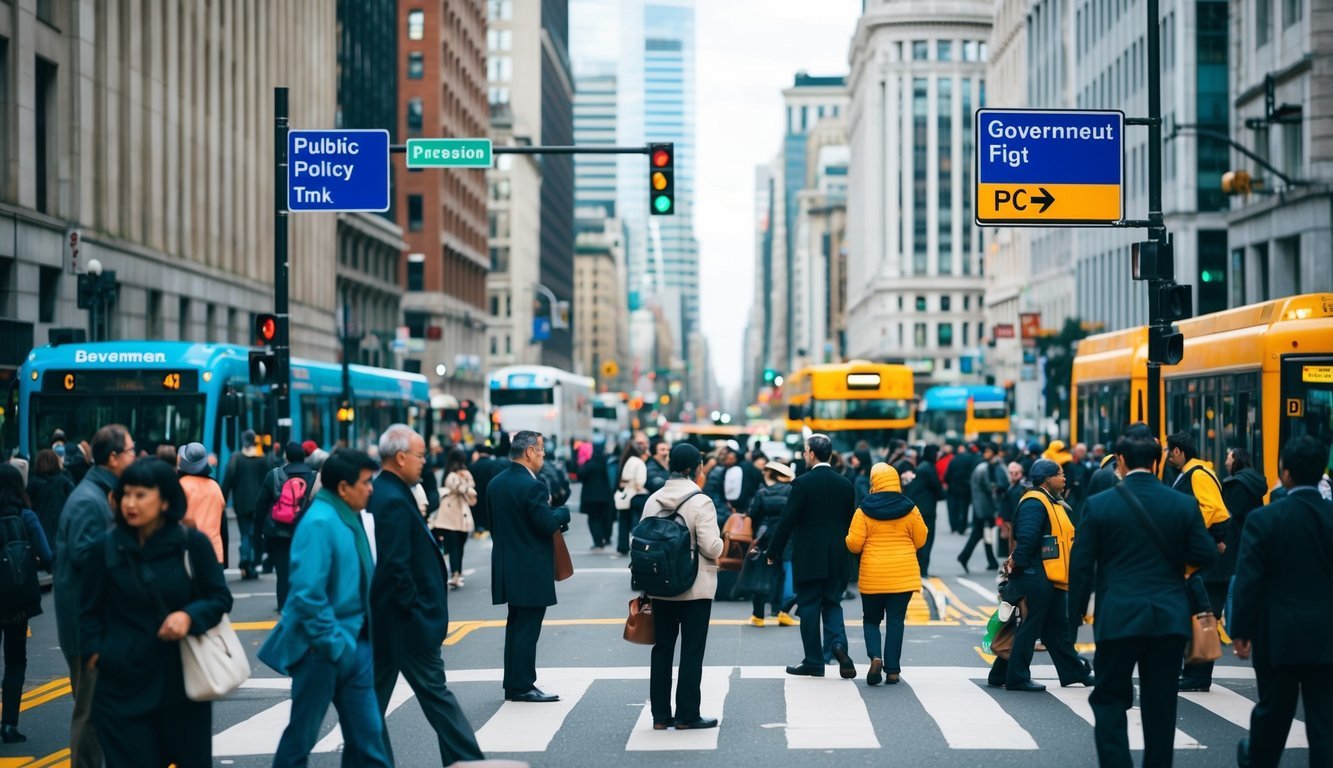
852 401
1253 377
969 412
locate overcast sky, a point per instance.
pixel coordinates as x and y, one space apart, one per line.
748 51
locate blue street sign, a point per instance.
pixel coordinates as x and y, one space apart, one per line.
345 170
541 328
1049 167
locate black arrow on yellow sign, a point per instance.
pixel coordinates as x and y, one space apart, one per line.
1046 199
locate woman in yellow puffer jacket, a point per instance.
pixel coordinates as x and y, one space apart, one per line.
886 532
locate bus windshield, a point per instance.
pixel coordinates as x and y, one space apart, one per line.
503 397
989 411
151 419
862 409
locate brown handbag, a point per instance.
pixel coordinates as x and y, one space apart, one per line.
1205 645
639 627
1003 642
564 565
737 536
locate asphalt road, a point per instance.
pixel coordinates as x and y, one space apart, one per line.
943 713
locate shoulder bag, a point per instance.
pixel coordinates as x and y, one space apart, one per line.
564 564
639 627
214 663
1205 645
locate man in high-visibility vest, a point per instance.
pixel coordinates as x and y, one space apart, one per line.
1198 481
1039 573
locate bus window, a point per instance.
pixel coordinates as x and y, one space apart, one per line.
1307 399
503 397
151 419
313 411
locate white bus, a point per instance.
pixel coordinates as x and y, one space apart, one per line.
542 399
610 418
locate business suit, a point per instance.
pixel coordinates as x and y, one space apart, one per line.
1283 580
1142 609
410 617
818 515
522 566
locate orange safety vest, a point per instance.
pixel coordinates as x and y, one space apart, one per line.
1057 569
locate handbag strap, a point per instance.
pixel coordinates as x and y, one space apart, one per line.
1146 522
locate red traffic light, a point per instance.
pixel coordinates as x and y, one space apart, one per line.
661 158
266 329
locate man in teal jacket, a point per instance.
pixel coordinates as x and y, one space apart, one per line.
323 639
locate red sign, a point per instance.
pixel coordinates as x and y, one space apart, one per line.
1030 325
1004 331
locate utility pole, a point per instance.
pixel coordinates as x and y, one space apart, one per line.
282 341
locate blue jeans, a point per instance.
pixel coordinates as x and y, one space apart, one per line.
349 685
246 525
877 608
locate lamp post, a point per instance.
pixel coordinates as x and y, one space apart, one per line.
97 292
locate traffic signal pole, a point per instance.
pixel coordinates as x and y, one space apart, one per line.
282 340
1156 225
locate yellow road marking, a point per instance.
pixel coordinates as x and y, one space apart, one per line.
986 657
242 626
14 762
54 760
952 600
37 701
60 682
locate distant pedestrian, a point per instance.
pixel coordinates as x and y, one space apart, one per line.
926 492
149 582
1284 576
87 515
323 639
206 504
595 500
886 531
246 470
484 467
523 560
1143 611
684 615
983 509
452 523
659 463
283 498
765 512
21 598
958 482
409 603
816 520
631 491
49 488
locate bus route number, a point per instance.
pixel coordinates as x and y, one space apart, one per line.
171 381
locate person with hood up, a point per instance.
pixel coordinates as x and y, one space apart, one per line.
887 530
203 498
860 477
1056 452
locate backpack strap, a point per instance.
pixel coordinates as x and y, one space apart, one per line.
675 511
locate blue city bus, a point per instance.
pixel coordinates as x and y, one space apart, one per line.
169 392
965 412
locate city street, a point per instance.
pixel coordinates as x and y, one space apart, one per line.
942 712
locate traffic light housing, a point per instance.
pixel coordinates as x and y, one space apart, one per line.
263 367
346 413
1165 345
770 375
266 330
661 179
1176 302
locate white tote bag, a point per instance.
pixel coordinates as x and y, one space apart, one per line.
214 663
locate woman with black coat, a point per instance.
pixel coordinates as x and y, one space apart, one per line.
139 601
926 491
18 520
48 488
765 512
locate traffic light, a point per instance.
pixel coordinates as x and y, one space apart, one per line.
346 413
1165 345
661 181
263 367
769 375
266 330
1152 260
1176 302
467 411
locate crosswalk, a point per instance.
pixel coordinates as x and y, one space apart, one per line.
820 714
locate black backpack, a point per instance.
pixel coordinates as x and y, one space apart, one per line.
19 590
663 561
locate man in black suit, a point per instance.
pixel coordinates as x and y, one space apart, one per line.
1284 575
523 560
408 600
958 486
1142 609
818 514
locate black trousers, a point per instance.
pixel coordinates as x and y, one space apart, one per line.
1271 720
958 503
452 542
177 732
1047 620
628 518
819 605
978 537
687 619
423 669
600 520
522 630
1201 675
280 552
16 668
923 554
1158 660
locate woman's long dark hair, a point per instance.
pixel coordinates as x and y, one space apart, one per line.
152 472
1240 459
631 449
456 461
13 497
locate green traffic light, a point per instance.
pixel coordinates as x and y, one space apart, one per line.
662 203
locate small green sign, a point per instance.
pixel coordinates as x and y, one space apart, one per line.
448 153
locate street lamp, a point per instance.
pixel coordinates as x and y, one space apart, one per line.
97 292
441 369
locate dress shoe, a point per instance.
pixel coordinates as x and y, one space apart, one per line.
756 621
662 725
1087 682
992 566
892 679
845 666
534 696
805 669
1243 753
1029 687
702 722
875 675
963 563
1192 686
785 620
10 735
994 683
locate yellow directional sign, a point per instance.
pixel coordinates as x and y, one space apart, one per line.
1049 167
610 370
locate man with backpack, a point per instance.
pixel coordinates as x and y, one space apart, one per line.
284 496
246 470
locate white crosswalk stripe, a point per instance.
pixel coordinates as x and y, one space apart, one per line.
820 714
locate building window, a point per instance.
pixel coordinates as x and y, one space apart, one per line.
416 65
1212 271
416 271
416 117
919 107
45 117
183 319
920 303
944 303
1214 157
1291 12
944 50
495 305
416 24
414 213
920 50
944 335
500 40
49 297
416 323
944 93
967 302
969 50
1293 151
919 335
498 96
500 10
500 69
232 336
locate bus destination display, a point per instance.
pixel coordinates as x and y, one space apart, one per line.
120 381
